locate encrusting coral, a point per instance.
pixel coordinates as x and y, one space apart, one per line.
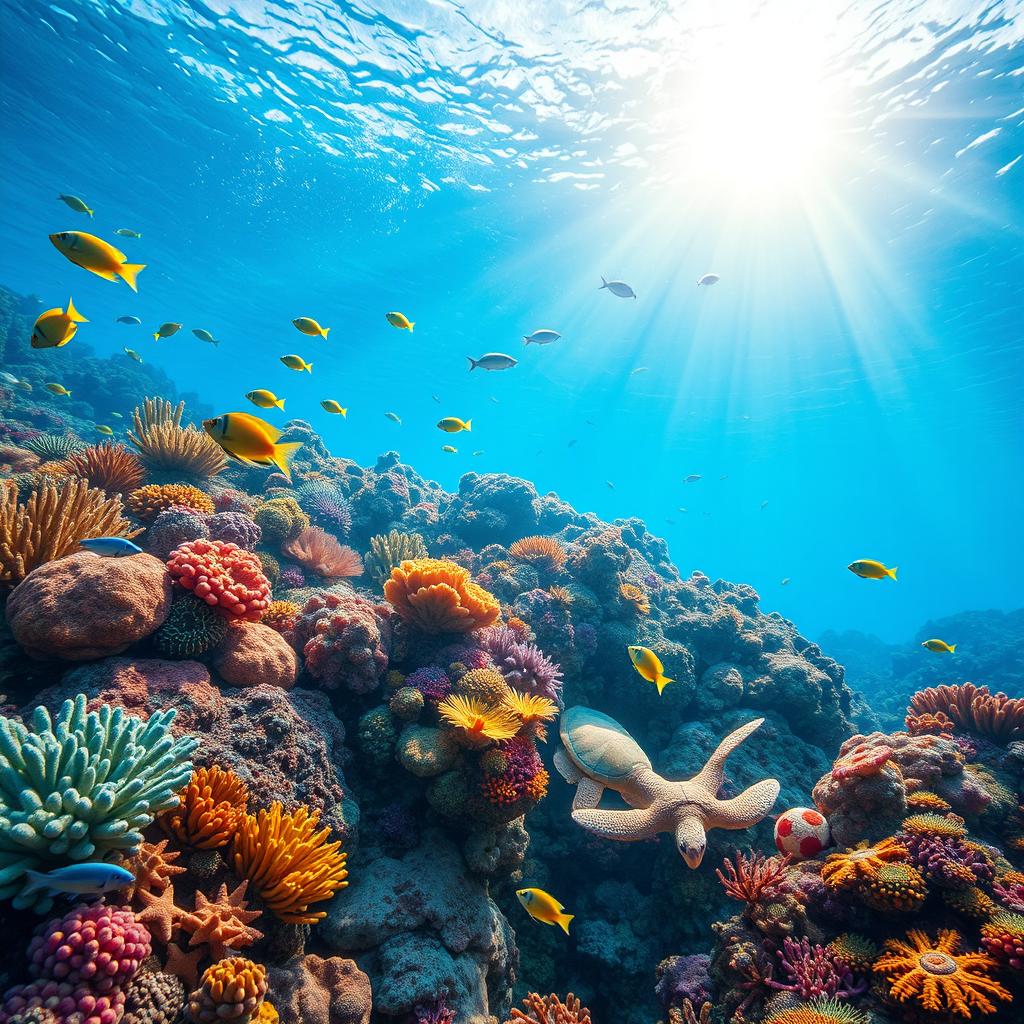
148 502
163 444
438 596
109 467
211 808
316 550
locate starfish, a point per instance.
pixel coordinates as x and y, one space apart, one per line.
160 914
154 867
223 923
183 965
598 754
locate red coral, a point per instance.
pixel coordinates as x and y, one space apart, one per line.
754 878
863 760
224 576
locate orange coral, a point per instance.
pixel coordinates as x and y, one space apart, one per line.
846 870
550 1010
894 888
281 615
543 552
438 596
110 467
636 597
163 443
153 867
210 809
935 976
319 552
146 503
289 863
223 923
924 800
231 990
973 708
929 723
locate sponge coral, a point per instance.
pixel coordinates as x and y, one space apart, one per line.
146 503
224 576
78 786
289 863
211 809
231 990
437 596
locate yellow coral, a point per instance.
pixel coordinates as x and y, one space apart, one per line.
231 990
163 443
529 707
146 503
819 1011
846 870
894 887
476 721
542 552
945 826
437 596
210 809
281 615
923 800
636 597
288 862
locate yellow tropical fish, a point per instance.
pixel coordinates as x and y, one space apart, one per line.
648 664
56 327
104 429
399 320
297 363
132 354
939 646
265 399
869 569
309 326
451 449
76 204
57 389
543 907
332 406
252 441
99 257
166 330
452 424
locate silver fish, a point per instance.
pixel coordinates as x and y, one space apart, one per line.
619 288
492 361
542 337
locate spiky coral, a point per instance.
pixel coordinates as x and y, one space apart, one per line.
943 826
813 971
223 923
52 447
437 596
231 990
192 628
288 862
110 467
524 666
212 806
971 902
972 708
542 552
846 870
529 708
326 504
164 444
281 615
550 1010
153 867
389 550
80 785
476 722
754 878
923 800
316 550
146 503
932 974
819 1011
51 523
224 576
1003 938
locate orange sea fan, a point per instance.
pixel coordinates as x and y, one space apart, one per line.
438 596
550 1010
212 807
321 553
542 552
110 467
146 503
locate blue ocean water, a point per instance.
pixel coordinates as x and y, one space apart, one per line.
850 388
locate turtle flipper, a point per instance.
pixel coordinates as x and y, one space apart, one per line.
745 810
623 826
588 794
710 777
566 768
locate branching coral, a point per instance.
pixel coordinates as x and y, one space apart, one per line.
51 523
437 596
146 503
932 974
316 550
164 444
550 1010
224 576
846 870
937 847
77 786
212 807
110 467
513 775
929 723
972 708
475 722
754 878
231 990
1009 890
813 971
223 923
388 550
542 552
288 862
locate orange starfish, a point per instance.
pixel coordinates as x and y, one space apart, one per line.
183 965
932 973
845 870
153 867
223 923
160 914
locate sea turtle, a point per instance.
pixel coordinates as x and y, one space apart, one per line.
598 754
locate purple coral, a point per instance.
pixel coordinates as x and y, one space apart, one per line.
813 971
524 665
432 682
1010 892
326 505
683 977
464 654
291 577
437 1012
946 860
234 528
172 528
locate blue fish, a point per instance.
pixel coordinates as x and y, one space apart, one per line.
110 547
89 879
133 320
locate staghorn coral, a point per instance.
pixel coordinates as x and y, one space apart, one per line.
231 990
316 550
933 975
1002 938
146 503
541 552
524 666
550 1010
289 863
389 550
281 615
114 772
108 467
863 862
754 878
51 523
972 708
153 867
474 722
222 575
223 923
210 810
163 444
192 628
153 997
813 971
52 447
437 596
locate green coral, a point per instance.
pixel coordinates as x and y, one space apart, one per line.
377 736
388 550
280 519
80 786
192 628
406 704
426 750
51 447
271 567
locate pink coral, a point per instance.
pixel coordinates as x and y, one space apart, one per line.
813 971
319 552
863 760
222 575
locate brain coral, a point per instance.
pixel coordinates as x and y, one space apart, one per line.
146 503
224 576
172 528
235 528
437 596
252 654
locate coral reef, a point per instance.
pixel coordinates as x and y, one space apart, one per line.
210 809
438 596
146 503
224 576
231 990
388 551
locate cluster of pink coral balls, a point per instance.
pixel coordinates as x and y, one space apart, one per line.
224 576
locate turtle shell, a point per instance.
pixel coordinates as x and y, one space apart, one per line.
599 745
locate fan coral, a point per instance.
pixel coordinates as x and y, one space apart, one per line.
326 505
212 807
972 708
550 1010
164 444
933 975
813 971
281 615
754 878
224 923
819 1011
51 523
289 863
153 998
846 870
52 446
316 550
146 503
894 888
856 950
541 552
1003 938
224 576
438 596
153 867
863 760
115 772
192 628
172 528
636 597
475 722
389 550
524 665
234 528
231 990
110 467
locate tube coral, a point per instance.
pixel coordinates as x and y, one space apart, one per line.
972 708
316 550
211 808
164 444
437 596
110 467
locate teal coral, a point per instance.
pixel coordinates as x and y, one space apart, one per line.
82 785
192 628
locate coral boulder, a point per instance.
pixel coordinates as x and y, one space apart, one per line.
253 653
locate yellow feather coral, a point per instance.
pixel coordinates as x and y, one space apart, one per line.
437 596
475 721
529 707
211 808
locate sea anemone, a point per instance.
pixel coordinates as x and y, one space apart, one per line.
212 806
164 444
326 505
856 950
636 597
529 708
524 665
819 1011
281 615
541 552
475 721
846 870
110 467
316 550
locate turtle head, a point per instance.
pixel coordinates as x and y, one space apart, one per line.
691 840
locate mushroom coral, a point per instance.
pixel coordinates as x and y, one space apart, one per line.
437 596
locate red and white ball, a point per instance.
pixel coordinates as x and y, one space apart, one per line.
802 832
